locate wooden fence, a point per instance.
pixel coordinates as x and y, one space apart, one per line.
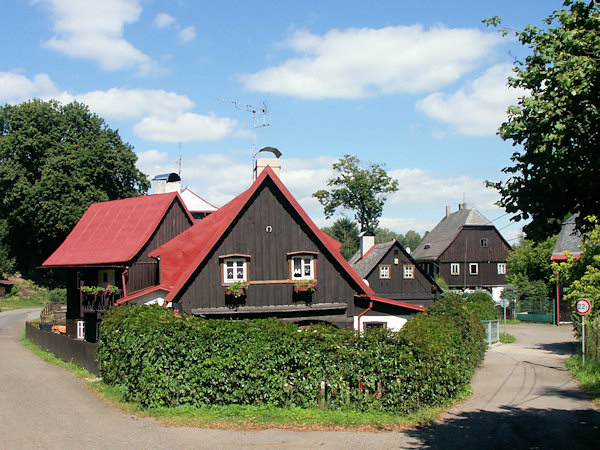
77 351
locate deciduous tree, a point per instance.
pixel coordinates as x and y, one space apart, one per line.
55 160
556 124
360 187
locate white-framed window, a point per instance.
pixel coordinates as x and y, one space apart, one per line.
501 268
235 269
484 242
80 329
409 272
303 267
454 269
384 272
473 268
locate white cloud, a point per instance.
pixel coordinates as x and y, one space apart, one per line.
132 104
187 35
93 29
477 109
355 63
15 88
185 127
163 20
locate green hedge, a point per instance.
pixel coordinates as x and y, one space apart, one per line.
161 359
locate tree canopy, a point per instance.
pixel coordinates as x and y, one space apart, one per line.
358 186
56 160
345 231
410 240
557 122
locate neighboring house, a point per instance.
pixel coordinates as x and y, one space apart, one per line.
392 273
196 205
569 240
264 238
110 246
466 250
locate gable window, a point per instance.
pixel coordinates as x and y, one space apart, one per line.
384 272
484 242
473 268
409 272
234 268
80 329
454 269
303 265
501 268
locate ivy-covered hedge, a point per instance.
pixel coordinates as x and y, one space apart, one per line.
161 359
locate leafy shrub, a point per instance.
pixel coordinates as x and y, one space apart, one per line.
161 359
482 303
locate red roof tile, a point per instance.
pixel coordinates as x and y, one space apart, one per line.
113 232
181 256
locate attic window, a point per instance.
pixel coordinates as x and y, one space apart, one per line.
427 246
384 272
234 268
302 266
484 242
409 272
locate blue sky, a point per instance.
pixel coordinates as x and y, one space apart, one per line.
417 86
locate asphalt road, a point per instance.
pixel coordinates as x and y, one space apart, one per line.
523 398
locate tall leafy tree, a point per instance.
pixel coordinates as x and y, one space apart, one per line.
556 124
55 160
345 231
360 187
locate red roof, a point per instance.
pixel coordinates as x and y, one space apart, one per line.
397 303
181 256
113 232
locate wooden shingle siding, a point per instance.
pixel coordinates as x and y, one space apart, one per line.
268 264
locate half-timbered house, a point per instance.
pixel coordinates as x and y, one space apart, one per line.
106 254
263 247
466 250
392 273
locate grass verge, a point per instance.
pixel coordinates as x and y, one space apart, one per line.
13 302
507 338
240 417
588 376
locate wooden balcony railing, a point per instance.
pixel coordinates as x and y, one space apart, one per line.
95 303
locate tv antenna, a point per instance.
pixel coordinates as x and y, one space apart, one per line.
262 120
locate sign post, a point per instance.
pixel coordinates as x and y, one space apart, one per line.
583 307
504 303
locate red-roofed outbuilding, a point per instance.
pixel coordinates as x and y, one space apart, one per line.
110 246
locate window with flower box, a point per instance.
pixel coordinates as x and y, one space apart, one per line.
303 265
234 268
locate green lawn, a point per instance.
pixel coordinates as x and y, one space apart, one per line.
253 417
15 302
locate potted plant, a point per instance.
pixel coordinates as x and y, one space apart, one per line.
305 286
237 289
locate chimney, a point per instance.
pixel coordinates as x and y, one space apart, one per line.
462 206
274 163
168 182
448 210
366 243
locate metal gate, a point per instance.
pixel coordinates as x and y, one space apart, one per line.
536 310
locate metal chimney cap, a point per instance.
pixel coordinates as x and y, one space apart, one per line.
273 150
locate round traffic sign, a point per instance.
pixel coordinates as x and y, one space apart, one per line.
504 302
583 306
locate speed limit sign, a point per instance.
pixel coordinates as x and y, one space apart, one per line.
583 306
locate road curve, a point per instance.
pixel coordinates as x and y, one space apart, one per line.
523 397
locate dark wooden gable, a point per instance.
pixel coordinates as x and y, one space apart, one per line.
268 229
467 248
419 290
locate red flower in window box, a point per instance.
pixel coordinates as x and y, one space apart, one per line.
305 286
